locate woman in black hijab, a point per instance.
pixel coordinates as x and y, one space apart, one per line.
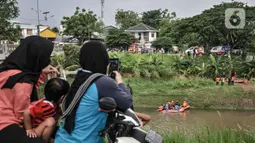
19 74
86 120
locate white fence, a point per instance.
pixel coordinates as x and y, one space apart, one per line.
6 49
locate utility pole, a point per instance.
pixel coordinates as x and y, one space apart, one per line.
38 17
102 10
46 18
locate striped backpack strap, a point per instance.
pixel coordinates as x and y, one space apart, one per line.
82 89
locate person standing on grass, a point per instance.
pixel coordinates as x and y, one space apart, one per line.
19 74
217 80
222 78
233 78
248 82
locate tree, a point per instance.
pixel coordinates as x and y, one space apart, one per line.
177 32
208 28
154 17
126 19
55 29
210 25
8 11
83 24
117 38
163 42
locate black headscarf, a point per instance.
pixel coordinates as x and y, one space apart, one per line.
31 57
94 58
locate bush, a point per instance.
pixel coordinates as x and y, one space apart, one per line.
137 72
167 66
145 73
155 75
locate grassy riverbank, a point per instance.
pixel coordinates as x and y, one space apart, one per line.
201 93
210 136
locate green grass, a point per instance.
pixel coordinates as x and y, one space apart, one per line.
201 93
207 135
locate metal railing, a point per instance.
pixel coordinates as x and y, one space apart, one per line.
6 49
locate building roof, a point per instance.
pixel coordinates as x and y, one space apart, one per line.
48 33
109 27
141 28
29 26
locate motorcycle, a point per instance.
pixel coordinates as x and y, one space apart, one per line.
125 127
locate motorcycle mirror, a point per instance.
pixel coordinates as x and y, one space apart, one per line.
107 103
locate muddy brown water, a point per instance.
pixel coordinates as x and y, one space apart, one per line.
195 119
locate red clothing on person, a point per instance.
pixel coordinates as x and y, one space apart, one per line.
13 102
41 111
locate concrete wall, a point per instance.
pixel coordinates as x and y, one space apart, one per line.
151 39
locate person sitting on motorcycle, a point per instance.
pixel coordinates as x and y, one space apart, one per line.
86 119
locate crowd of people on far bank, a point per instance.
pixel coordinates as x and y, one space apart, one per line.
221 79
26 119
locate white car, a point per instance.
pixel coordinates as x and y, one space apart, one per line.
216 49
191 50
220 49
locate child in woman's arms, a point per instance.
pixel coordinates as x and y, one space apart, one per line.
40 119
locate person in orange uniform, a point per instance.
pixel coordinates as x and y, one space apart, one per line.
217 80
185 104
161 108
172 105
233 78
248 82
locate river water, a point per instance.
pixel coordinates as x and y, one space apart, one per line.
193 119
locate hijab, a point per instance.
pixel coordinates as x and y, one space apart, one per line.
31 57
94 59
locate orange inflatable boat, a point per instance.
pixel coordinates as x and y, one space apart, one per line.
174 111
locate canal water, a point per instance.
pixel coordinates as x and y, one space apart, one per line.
193 119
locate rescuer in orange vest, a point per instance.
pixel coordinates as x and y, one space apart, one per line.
217 80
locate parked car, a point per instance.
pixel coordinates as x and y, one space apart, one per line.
147 50
197 49
216 49
220 50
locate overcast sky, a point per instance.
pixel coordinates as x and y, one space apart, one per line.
60 8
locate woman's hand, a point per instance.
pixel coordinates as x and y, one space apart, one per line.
31 133
50 70
118 77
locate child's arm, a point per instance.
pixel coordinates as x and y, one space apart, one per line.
28 124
